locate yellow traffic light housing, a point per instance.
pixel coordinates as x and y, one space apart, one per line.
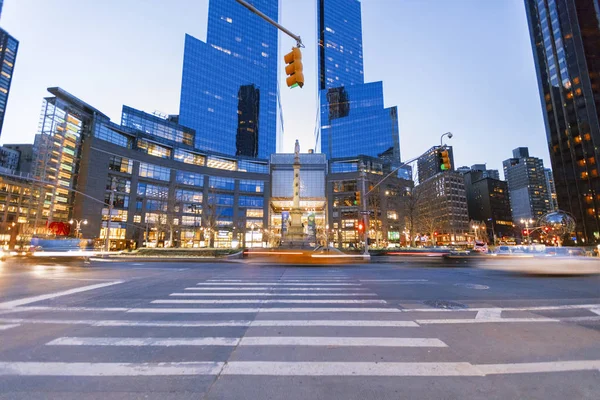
357 198
294 68
444 159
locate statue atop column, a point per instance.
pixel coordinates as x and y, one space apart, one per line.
297 152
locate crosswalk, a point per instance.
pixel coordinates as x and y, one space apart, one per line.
316 324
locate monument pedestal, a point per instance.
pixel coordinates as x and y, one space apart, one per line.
295 238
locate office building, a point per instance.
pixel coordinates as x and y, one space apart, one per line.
229 89
526 185
565 38
164 192
441 208
428 164
350 109
9 160
488 202
551 189
8 55
25 151
486 173
389 203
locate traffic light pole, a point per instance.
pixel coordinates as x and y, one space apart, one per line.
272 22
363 178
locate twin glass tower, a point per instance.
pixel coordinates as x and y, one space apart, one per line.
230 90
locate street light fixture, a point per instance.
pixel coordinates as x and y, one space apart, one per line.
449 134
78 223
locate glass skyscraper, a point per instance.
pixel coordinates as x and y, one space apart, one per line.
353 120
8 54
229 89
565 37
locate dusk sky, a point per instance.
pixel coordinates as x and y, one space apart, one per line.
463 66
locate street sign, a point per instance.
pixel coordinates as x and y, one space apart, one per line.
365 212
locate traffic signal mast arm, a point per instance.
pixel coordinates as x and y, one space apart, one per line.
269 20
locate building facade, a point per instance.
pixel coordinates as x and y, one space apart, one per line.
488 202
565 38
229 88
9 159
25 151
441 209
526 185
388 203
428 164
350 110
144 179
8 55
551 189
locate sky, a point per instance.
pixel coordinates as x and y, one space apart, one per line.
463 66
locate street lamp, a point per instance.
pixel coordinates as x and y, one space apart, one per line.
475 227
78 223
527 222
449 134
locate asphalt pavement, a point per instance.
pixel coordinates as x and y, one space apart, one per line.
244 330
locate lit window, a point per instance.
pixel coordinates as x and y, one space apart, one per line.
229 20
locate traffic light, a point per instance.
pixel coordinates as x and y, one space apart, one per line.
294 68
444 160
356 198
361 227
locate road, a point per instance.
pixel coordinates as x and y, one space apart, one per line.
240 330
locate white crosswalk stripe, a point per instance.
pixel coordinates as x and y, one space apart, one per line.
276 284
9 326
278 289
250 341
269 301
268 294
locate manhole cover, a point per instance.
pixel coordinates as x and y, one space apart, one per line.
472 286
444 304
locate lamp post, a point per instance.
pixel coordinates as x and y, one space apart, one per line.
475 227
78 223
449 134
527 222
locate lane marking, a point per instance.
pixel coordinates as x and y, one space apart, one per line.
472 286
249 341
595 310
490 313
268 368
230 323
394 280
336 341
279 281
6 327
269 294
269 301
481 321
108 369
28 300
274 284
124 341
273 289
532 308
258 310
529 368
163 269
349 369
63 309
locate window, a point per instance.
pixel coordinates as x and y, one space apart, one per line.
156 205
153 149
188 157
188 178
252 186
190 196
252 166
120 164
250 201
221 199
103 132
221 163
120 184
221 183
254 213
155 172
119 200
150 190
392 215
